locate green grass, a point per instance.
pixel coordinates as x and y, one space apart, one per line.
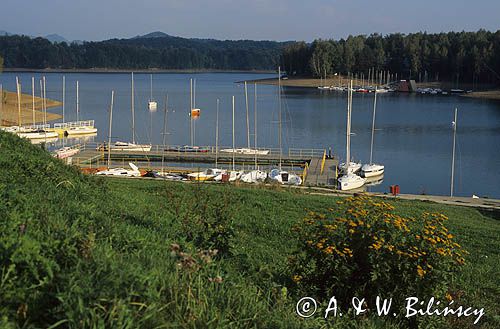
89 252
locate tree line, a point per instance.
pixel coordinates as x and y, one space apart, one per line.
140 53
454 56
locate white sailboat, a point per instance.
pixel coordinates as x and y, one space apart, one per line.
34 132
349 180
134 172
372 169
256 175
117 171
246 150
65 152
133 146
279 175
74 128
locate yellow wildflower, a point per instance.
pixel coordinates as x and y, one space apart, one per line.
420 271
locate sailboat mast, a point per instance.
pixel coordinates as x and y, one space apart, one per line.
279 114
248 120
164 133
77 102
110 125
373 125
348 128
151 88
217 134
44 101
191 110
233 134
63 98
1 102
194 106
453 154
33 100
255 122
133 108
18 89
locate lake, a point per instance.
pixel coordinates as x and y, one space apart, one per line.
413 137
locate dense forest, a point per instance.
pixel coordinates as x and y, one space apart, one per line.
140 53
454 56
463 56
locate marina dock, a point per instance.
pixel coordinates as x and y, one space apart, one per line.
311 164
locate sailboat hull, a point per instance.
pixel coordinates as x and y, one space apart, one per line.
372 170
350 182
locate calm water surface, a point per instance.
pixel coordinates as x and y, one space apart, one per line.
413 137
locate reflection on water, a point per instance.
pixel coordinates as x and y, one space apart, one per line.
374 181
413 137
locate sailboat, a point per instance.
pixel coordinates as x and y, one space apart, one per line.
279 175
79 127
256 175
117 171
65 152
121 171
246 150
349 180
126 146
233 174
35 132
372 169
211 173
350 166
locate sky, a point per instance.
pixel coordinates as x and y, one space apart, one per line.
280 20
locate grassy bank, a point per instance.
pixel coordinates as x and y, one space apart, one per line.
87 252
9 112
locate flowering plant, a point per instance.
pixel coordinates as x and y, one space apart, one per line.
370 250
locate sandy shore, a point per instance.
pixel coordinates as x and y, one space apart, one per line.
491 94
306 82
342 81
9 114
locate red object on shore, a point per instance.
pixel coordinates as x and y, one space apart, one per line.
394 189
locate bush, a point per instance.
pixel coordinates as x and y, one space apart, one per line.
206 219
371 251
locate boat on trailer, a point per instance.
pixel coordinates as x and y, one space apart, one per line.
206 175
121 171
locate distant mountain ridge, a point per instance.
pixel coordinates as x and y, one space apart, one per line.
156 34
56 38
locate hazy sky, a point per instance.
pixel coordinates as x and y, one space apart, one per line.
251 19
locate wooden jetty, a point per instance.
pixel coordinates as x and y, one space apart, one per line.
312 164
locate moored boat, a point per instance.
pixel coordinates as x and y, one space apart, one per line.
66 152
372 169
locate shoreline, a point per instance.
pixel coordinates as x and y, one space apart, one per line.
9 111
493 94
103 70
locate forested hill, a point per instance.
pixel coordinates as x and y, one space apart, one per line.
155 50
453 56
